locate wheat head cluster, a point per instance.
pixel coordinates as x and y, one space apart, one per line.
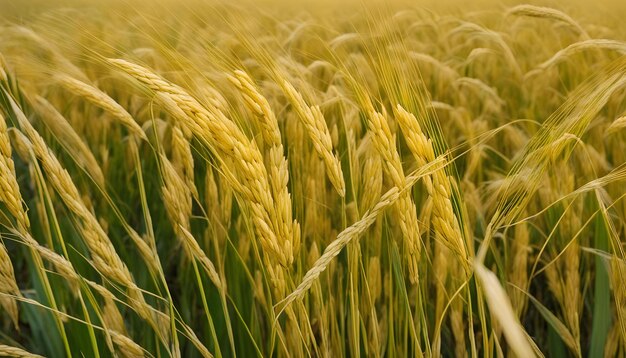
219 179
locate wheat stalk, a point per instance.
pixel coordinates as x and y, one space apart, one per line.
501 310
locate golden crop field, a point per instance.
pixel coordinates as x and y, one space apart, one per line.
312 179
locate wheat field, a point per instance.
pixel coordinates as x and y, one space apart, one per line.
325 179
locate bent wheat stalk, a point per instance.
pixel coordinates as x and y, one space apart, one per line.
356 229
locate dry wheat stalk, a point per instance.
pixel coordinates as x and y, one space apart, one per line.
405 207
502 312
102 100
316 127
221 134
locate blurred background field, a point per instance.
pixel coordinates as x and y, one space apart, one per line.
312 178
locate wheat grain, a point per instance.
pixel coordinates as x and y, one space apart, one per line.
127 347
176 196
3 69
10 195
601 44
192 246
616 125
10 192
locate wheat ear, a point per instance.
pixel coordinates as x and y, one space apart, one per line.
14 352
102 100
66 134
405 207
547 13
11 197
278 170
221 134
316 127
103 253
445 221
